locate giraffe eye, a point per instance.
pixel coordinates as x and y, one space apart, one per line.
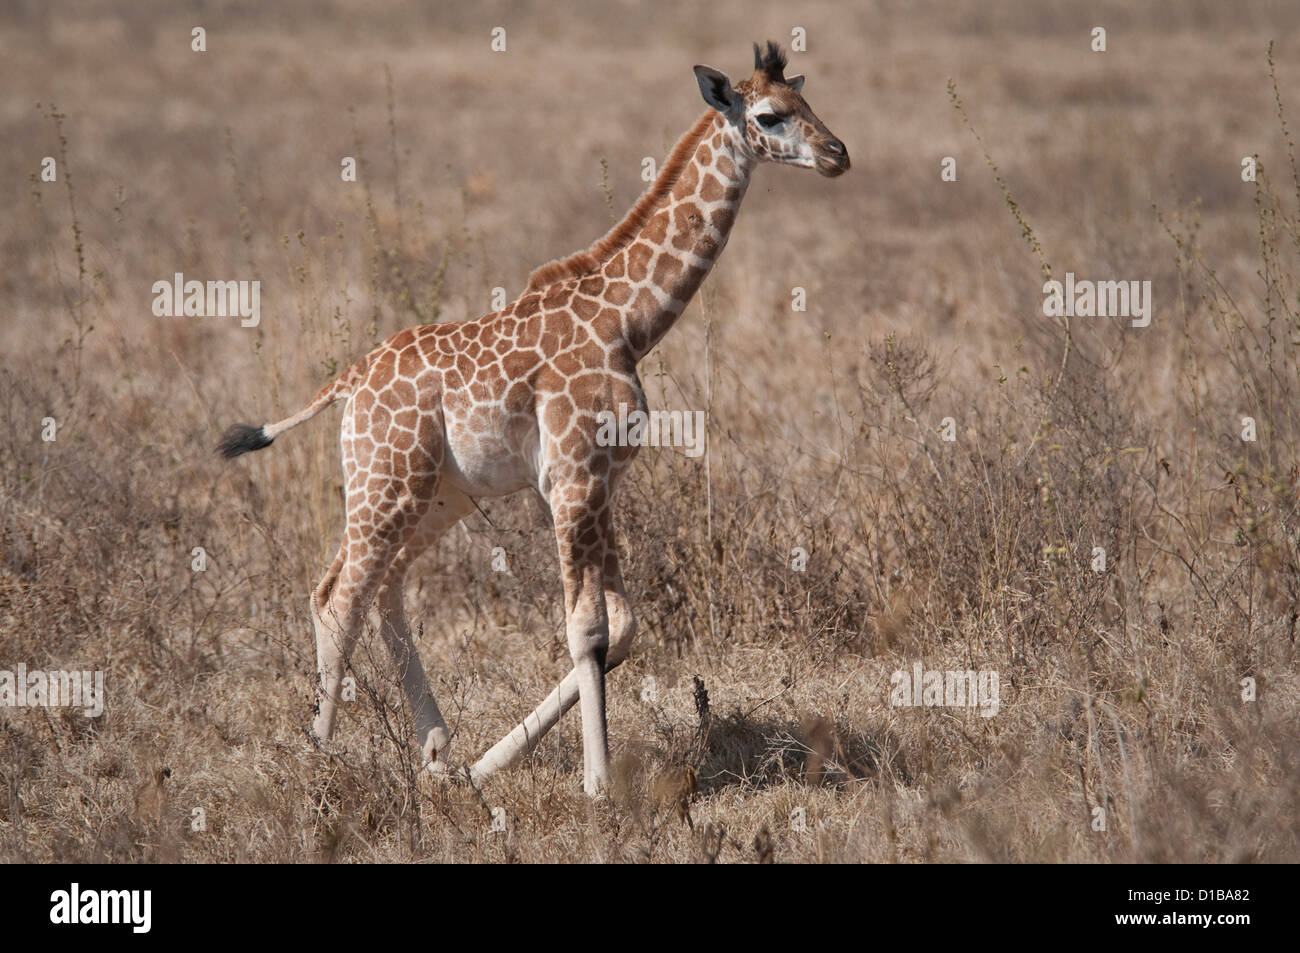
769 120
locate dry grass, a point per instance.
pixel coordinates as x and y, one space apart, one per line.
1120 690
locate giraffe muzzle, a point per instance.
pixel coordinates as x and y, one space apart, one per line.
832 158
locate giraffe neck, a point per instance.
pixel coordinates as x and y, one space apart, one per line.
677 247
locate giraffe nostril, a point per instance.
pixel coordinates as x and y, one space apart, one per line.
835 147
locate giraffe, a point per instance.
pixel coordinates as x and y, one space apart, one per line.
440 415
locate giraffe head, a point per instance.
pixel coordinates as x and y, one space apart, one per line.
771 116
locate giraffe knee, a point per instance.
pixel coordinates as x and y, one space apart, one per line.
622 627
588 631
320 596
389 597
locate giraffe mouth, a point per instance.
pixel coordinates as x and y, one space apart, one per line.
832 159
832 166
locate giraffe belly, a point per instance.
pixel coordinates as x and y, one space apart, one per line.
490 462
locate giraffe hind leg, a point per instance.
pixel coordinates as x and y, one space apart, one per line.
340 604
328 635
431 730
386 503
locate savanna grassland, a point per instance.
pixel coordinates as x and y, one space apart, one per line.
1158 693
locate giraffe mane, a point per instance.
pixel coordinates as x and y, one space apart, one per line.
620 236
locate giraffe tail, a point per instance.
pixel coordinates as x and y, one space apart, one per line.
241 438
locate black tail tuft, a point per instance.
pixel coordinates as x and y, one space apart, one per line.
241 438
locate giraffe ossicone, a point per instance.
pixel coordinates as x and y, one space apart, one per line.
439 415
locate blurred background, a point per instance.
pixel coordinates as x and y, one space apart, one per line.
924 302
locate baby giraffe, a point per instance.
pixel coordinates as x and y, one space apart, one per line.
439 415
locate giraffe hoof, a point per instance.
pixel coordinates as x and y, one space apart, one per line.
317 743
444 773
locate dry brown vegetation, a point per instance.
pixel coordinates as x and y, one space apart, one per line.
1119 689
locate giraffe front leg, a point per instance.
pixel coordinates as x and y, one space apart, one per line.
528 733
588 647
582 530
587 629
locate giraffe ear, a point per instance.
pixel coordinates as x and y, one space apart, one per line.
795 82
716 90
